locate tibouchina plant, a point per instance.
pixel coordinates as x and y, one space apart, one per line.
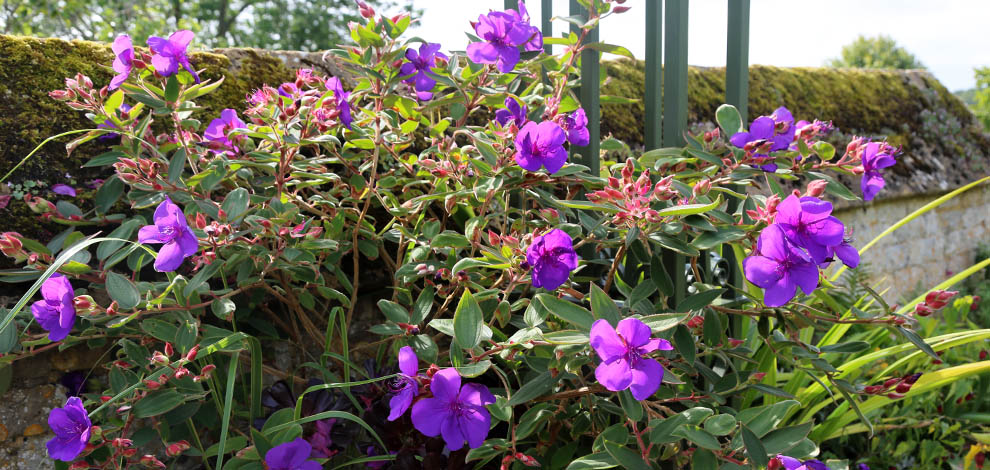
411 266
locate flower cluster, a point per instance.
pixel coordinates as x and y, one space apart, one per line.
502 33
894 387
635 197
624 351
934 301
803 237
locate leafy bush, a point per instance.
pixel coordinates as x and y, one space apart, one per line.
527 312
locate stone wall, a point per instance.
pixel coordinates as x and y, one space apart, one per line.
928 249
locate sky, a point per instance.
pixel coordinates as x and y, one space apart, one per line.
950 37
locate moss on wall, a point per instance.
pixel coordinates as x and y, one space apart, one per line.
867 101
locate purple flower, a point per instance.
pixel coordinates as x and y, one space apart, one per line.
767 134
71 426
535 42
513 112
789 463
420 64
863 466
108 124
321 440
779 267
624 351
171 229
876 157
64 190
217 130
124 51
541 145
846 253
576 126
406 387
170 53
293 455
457 413
340 97
552 258
809 224
815 464
56 313
502 32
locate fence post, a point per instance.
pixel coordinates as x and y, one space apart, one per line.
589 94
737 94
654 75
546 28
675 112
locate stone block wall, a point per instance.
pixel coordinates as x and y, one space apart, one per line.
925 251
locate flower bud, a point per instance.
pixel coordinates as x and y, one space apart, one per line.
902 387
149 461
775 464
621 9
39 205
176 448
80 465
113 308
911 379
160 359
816 188
200 221
895 396
181 372
365 9
121 442
85 305
923 310
152 385
191 355
872 389
702 187
983 354
61 95
11 245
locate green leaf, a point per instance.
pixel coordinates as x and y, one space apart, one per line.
394 311
157 403
8 338
596 461
847 347
660 276
917 341
569 312
602 306
729 120
688 209
172 89
699 300
781 440
236 203
534 388
709 240
123 291
632 407
754 448
611 49
626 456
468 320
424 304
698 436
720 425
684 342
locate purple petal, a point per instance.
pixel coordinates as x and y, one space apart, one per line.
781 114
188 243
871 184
411 56
773 242
779 293
615 375
149 234
482 53
475 394
554 160
181 39
121 44
550 275
634 331
740 139
579 137
118 80
762 128
475 423
508 57
761 271
428 414
848 254
424 82
159 45
805 276
169 258
646 377
606 342
64 190
400 402
450 429
790 463
166 66
408 362
57 288
446 384
289 455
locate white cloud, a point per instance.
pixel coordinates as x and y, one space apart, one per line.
949 36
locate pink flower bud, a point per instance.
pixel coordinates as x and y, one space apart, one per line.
176 448
160 359
200 221
191 355
702 187
816 188
149 461
151 384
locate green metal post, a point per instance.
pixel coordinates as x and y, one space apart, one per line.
546 12
737 57
654 74
675 73
513 4
589 94
675 111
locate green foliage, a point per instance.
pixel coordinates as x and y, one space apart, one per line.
268 24
880 52
981 96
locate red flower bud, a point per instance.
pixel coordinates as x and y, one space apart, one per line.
176 448
191 355
152 385
169 350
149 461
902 387
200 221
983 354
160 359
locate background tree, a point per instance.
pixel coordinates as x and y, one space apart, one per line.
981 96
270 24
880 52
